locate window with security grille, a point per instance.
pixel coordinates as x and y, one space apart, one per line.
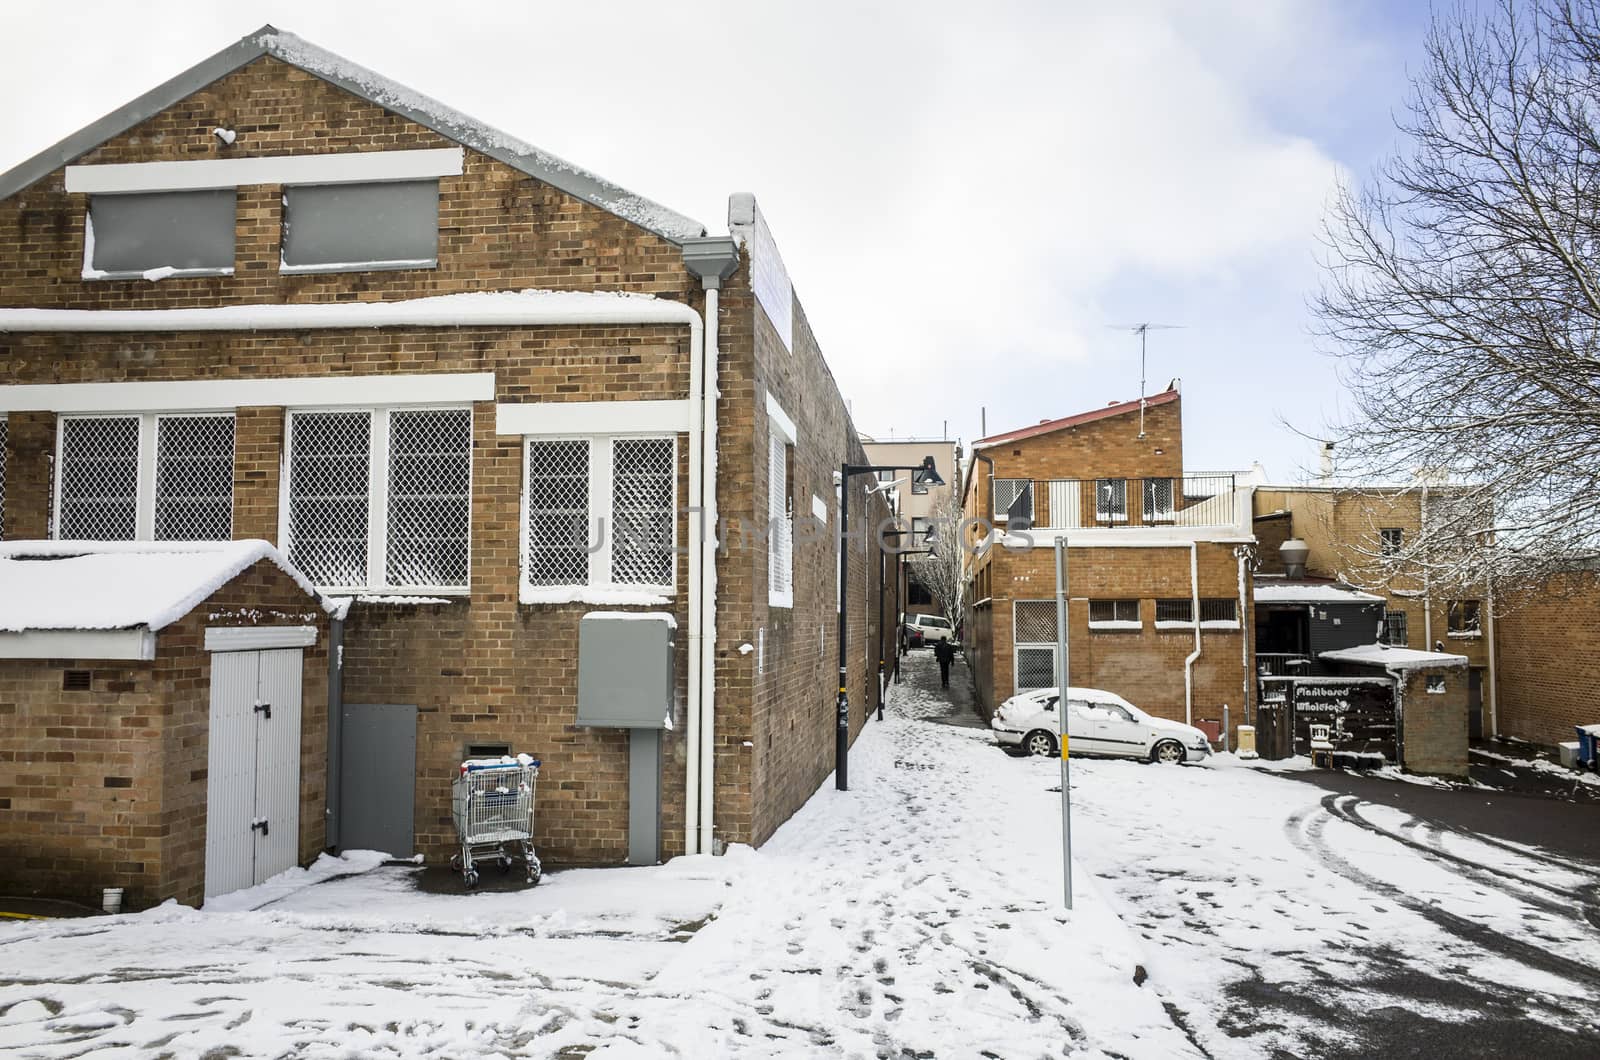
1113 612
1036 667
780 525
138 477
1395 633
601 512
1013 494
1174 611
194 478
1111 500
558 512
430 497
1391 539
1033 622
642 471
1223 609
1158 507
329 496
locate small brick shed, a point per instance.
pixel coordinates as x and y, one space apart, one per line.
143 688
1431 699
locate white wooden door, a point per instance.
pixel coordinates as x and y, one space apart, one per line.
253 768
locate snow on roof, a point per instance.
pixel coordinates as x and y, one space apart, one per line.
1117 409
530 306
120 584
1393 658
1311 593
391 95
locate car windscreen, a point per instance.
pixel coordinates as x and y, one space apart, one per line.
937 623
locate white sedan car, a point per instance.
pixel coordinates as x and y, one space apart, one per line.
1098 723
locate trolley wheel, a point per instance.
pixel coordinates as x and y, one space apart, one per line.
505 863
471 878
535 873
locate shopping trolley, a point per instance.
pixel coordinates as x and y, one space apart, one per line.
491 801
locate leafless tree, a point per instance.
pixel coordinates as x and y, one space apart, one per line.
1462 296
943 572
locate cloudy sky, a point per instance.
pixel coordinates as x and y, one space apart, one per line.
968 196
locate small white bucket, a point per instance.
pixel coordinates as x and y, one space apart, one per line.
111 900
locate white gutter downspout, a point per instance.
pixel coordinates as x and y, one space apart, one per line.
1494 690
1427 591
1194 602
1244 650
713 259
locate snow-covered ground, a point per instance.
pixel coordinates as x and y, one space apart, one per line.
1220 911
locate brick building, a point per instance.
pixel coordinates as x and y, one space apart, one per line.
1348 531
282 298
1158 564
1548 653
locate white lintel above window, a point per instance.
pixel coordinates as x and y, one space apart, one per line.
226 394
591 417
348 167
780 421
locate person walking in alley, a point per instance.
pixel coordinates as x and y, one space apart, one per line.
946 654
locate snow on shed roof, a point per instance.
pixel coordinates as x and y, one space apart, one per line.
1311 593
1393 658
375 88
81 585
1117 409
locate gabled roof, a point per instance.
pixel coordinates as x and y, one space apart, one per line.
86 585
358 80
1118 409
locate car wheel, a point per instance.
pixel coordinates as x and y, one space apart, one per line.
1167 751
1039 742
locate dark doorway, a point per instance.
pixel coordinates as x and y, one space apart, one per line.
1475 703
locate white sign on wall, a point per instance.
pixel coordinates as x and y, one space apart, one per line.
768 277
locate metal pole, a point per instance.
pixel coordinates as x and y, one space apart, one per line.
883 685
1063 685
841 745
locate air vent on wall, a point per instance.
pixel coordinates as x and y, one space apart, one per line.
75 680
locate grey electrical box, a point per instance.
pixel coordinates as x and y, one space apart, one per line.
625 669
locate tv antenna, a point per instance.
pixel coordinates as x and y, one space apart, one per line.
1143 330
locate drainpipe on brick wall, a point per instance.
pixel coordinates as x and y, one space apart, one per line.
335 784
713 260
1194 602
1494 690
1427 592
1244 646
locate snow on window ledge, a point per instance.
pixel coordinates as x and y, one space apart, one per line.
154 275
1121 625
1220 623
594 594
401 599
1170 624
1468 634
356 266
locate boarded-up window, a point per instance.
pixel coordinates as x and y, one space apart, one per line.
184 230
361 226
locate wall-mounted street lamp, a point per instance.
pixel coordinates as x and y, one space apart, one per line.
921 474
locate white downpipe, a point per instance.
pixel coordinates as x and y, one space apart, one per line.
1194 602
1494 688
1427 590
691 790
707 662
1246 717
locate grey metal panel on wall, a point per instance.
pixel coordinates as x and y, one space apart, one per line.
1335 626
333 224
180 229
644 796
625 670
378 755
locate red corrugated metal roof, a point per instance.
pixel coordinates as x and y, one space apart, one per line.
1046 427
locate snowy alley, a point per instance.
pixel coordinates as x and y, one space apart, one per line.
1221 911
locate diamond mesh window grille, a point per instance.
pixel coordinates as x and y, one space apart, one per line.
642 473
780 530
1007 492
430 498
1158 499
1113 610
1036 668
1174 611
194 478
1111 500
3 429
1034 622
558 512
98 498
328 496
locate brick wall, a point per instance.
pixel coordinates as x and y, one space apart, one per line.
107 787
1434 724
1548 659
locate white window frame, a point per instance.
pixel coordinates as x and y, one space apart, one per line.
1017 647
780 427
377 497
601 476
145 459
